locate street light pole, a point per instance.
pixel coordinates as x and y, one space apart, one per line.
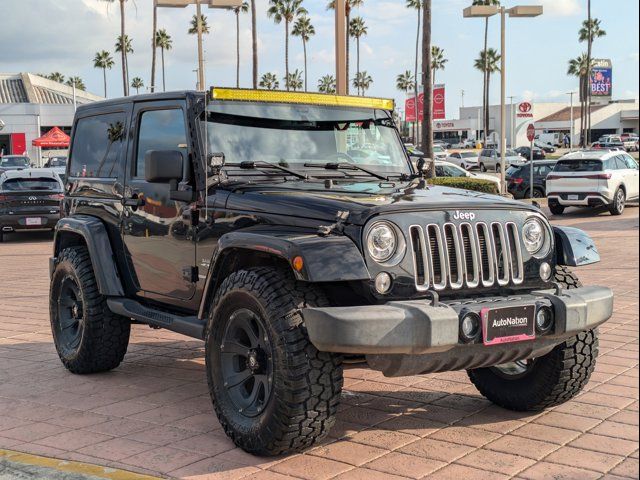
200 51
341 47
572 93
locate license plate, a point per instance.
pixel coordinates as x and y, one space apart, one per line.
508 324
573 197
34 221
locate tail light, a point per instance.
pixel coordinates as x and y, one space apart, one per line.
597 176
600 176
517 181
553 177
56 196
3 198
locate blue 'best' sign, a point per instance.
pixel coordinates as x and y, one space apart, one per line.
602 78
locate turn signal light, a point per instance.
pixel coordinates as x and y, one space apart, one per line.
298 263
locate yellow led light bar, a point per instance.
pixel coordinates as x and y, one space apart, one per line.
271 96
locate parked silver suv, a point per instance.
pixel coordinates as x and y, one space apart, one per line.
490 159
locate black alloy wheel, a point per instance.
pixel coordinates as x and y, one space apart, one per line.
247 362
70 313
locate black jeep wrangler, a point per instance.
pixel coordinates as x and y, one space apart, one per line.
291 232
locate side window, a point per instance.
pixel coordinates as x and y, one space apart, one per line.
621 163
160 130
440 171
97 146
610 164
631 163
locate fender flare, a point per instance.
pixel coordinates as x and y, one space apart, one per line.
94 234
325 259
574 247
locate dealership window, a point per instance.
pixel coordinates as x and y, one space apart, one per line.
97 146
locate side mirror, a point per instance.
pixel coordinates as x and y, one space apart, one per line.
163 166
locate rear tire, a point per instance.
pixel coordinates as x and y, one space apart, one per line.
619 202
552 379
89 338
483 168
287 392
556 208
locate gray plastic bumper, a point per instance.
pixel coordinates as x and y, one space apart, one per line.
416 327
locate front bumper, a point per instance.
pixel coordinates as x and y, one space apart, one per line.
413 337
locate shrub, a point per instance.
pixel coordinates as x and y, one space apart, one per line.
466 183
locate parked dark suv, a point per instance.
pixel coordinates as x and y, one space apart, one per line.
290 230
29 200
519 179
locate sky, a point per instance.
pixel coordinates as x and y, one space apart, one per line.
40 36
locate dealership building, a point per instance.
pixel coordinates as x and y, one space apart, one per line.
30 107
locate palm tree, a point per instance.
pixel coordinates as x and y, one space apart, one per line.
362 82
103 60
137 83
193 25
349 5
164 42
154 45
269 81
293 81
485 92
438 60
488 64
125 46
254 43
77 82
56 77
327 84
358 29
244 8
286 10
579 67
123 53
416 5
305 30
588 33
427 86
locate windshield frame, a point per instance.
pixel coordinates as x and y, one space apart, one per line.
312 118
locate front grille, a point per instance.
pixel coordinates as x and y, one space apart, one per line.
466 255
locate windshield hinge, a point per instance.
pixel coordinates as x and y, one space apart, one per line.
191 274
337 227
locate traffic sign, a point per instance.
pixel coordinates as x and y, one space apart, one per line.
531 132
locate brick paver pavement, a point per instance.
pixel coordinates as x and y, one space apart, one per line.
153 414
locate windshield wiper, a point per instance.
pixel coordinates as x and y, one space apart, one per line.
249 165
345 166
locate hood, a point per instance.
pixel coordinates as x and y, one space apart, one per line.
361 199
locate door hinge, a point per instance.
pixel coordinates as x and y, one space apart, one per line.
191 274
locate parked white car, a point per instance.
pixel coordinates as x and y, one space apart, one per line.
446 169
465 144
593 179
440 153
466 160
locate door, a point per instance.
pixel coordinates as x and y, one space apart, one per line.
632 176
158 241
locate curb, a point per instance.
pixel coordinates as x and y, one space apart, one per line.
44 466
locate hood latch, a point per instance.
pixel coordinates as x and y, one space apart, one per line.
338 227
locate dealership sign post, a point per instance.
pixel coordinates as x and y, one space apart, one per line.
531 136
439 100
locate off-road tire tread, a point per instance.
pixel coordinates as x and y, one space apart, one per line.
106 335
560 375
308 402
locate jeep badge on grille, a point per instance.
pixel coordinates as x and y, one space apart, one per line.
464 216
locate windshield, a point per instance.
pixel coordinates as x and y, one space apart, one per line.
31 184
294 135
468 155
512 170
14 162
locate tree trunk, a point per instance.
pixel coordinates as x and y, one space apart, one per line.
123 53
582 110
485 100
154 47
415 124
427 120
589 53
360 90
104 78
304 48
254 44
237 48
286 53
164 85
348 13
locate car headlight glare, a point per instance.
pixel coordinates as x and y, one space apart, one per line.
534 235
382 242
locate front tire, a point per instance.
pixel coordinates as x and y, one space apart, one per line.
88 337
272 390
555 378
619 202
483 168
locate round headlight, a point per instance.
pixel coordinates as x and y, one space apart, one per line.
534 235
382 242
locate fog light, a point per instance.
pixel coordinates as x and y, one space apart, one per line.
383 282
470 326
545 271
544 319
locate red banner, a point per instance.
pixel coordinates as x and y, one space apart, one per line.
439 100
